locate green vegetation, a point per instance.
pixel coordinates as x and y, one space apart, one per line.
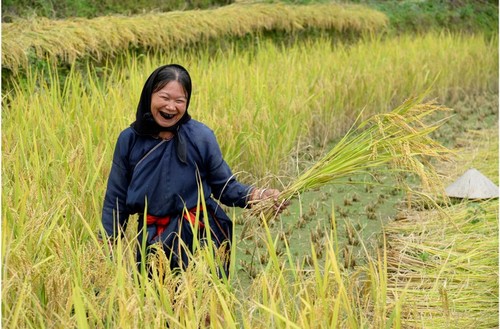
423 16
13 9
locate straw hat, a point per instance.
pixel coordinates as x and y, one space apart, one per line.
472 185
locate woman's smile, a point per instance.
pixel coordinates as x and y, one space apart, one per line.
167 116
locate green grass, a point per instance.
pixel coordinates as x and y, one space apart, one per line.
12 9
424 16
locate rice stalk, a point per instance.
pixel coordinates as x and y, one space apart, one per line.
399 138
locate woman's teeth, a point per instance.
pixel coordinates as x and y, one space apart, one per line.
167 116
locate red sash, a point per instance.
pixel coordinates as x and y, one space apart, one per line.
161 223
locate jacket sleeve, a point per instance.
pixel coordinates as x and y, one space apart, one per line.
114 212
224 185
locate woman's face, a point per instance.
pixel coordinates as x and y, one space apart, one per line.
168 104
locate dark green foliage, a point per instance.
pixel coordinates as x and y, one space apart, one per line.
94 8
424 15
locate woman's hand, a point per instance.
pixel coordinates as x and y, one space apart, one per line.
265 194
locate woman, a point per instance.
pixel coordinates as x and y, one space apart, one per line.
159 164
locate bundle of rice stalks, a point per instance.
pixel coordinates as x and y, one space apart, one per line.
398 140
73 39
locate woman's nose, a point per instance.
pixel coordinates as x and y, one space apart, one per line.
170 105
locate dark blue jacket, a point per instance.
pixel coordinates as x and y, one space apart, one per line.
148 177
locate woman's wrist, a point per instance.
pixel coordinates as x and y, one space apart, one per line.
251 195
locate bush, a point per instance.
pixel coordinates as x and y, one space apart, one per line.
424 15
94 8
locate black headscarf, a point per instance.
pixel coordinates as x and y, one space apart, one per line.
144 123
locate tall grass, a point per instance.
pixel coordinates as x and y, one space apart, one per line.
57 140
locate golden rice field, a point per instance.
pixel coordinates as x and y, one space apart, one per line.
275 110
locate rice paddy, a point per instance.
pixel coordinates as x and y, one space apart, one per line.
276 110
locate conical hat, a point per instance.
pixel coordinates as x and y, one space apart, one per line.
472 185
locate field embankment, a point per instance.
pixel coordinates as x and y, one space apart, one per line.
69 40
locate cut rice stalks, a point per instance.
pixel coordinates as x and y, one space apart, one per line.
442 263
443 266
70 40
398 141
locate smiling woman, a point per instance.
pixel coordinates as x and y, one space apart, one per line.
160 164
164 102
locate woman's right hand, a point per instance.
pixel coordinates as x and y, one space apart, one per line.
259 195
